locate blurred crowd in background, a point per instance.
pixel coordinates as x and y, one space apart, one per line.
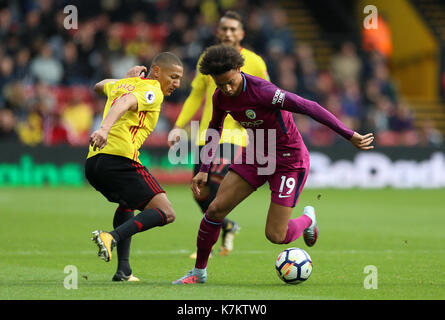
47 71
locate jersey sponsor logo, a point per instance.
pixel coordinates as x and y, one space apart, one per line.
281 98
150 97
250 114
281 196
251 124
278 97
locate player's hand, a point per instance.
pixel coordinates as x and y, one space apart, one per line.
174 136
362 142
98 139
198 182
135 71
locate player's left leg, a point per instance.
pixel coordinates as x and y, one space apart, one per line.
218 170
234 189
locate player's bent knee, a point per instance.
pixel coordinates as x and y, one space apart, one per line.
170 215
216 211
275 237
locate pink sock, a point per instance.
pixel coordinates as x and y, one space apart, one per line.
295 228
208 235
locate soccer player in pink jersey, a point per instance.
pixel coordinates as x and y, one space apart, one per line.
266 110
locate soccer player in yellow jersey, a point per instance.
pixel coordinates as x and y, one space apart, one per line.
230 32
113 167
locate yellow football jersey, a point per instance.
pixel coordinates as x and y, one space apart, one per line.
130 131
203 87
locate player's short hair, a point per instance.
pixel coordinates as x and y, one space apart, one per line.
219 59
166 59
235 16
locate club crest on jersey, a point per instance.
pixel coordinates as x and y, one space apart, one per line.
250 114
150 97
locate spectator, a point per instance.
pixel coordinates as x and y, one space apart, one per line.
276 32
401 121
346 65
22 60
41 61
77 116
307 72
73 72
120 63
430 136
351 102
8 122
384 82
6 71
46 68
30 129
55 131
378 117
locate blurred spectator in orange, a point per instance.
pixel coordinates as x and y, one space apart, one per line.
378 39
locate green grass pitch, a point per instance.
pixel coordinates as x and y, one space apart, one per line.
400 232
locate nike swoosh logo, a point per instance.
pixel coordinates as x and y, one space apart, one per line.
281 196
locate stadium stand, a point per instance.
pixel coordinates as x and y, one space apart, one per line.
46 71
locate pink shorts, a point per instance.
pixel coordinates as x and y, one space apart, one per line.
285 183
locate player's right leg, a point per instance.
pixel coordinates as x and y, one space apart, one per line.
233 190
123 272
286 186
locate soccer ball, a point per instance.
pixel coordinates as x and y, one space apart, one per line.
293 265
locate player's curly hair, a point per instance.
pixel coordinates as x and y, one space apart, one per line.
219 59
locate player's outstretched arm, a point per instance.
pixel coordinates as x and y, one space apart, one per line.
99 87
362 142
98 138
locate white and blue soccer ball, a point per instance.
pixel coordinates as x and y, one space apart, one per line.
293 265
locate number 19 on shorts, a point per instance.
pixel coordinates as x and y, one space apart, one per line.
289 183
